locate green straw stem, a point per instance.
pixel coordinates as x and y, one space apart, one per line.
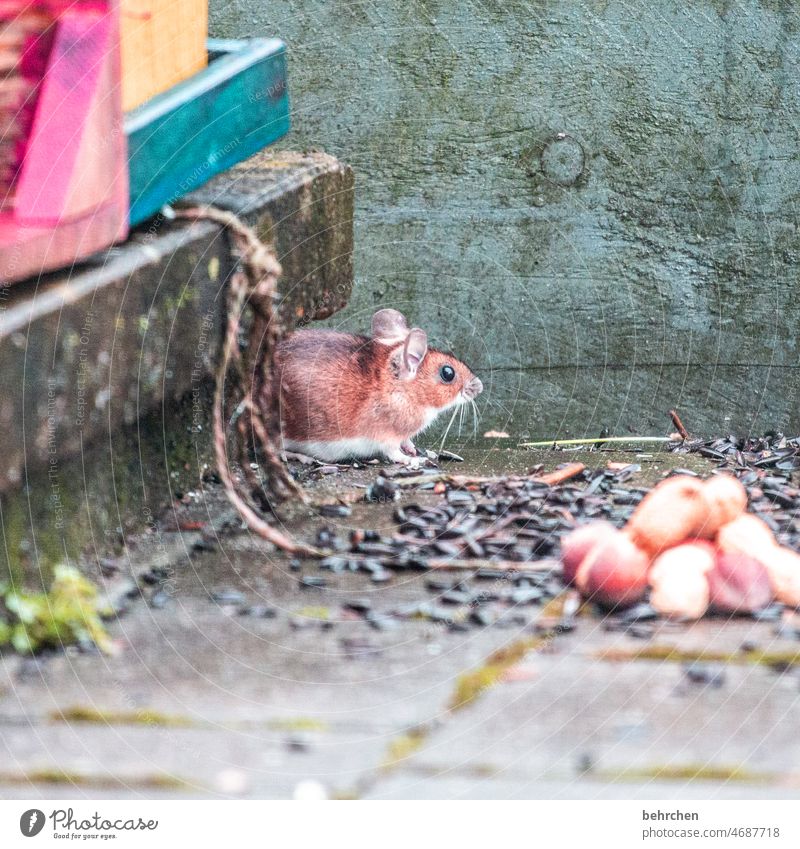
600 439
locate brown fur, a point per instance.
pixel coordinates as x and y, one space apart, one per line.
338 386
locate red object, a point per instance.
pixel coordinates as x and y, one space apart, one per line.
614 572
578 543
63 160
738 584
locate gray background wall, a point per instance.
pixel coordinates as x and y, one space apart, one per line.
646 260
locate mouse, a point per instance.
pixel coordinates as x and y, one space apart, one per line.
343 396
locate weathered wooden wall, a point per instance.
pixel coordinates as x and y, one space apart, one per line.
647 259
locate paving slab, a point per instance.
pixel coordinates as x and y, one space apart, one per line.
234 679
580 719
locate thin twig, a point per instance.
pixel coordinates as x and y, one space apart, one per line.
676 420
498 565
571 470
633 440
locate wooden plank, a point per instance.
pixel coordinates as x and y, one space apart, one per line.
230 110
163 42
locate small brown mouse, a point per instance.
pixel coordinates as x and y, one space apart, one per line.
346 396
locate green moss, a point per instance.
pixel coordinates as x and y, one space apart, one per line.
52 775
110 490
483 770
403 746
17 550
44 604
67 614
55 775
299 723
147 716
80 713
778 659
345 795
471 685
159 781
321 613
468 688
688 772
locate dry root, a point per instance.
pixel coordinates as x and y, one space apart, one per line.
254 395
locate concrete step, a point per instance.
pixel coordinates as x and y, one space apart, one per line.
106 366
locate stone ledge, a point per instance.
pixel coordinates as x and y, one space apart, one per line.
101 345
313 188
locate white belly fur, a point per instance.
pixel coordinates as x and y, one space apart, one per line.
339 449
358 446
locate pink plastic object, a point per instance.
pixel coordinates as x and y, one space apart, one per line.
63 161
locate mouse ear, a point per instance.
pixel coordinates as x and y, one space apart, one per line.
389 327
414 350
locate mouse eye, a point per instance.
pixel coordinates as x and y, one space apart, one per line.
447 373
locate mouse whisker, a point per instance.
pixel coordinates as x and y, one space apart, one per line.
449 425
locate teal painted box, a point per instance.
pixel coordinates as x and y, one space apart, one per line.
230 110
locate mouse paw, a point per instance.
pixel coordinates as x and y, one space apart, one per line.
301 458
408 447
399 456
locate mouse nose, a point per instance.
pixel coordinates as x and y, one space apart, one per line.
473 388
